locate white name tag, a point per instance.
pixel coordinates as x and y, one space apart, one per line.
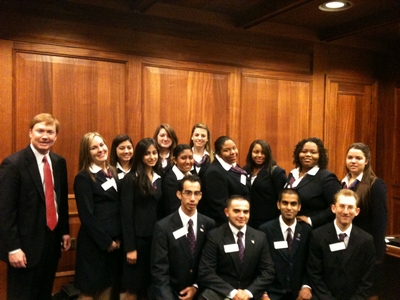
243 179
121 175
180 232
109 184
280 245
337 246
231 248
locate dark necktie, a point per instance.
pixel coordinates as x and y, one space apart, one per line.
289 239
352 186
202 162
241 246
51 215
291 181
191 238
238 170
342 236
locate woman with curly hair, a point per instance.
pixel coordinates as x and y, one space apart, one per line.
314 183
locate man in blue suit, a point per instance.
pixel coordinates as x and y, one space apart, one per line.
288 242
175 252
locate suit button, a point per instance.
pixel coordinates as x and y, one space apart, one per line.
191 271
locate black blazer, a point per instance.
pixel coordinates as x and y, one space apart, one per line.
290 269
345 274
203 168
219 184
222 272
264 195
316 194
23 204
170 200
172 267
139 213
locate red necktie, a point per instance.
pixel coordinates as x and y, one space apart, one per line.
51 214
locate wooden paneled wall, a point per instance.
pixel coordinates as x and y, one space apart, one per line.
115 92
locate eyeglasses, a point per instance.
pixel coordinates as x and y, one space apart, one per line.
190 193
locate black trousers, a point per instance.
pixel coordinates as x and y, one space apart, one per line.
36 283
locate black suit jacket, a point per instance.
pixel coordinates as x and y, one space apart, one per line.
23 204
264 195
172 266
316 194
222 271
290 269
344 274
219 184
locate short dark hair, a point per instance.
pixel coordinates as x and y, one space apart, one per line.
235 197
189 177
289 191
115 143
219 142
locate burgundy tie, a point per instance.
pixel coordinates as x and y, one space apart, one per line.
289 239
241 246
237 169
191 238
51 215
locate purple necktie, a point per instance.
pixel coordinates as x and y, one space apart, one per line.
241 246
191 238
289 239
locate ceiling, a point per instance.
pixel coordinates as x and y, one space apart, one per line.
372 23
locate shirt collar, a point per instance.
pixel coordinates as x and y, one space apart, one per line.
224 164
185 218
179 175
39 156
348 176
122 169
94 168
338 231
313 171
155 177
235 230
284 226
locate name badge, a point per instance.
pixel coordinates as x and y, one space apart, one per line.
109 184
243 179
231 248
121 175
180 232
337 246
281 245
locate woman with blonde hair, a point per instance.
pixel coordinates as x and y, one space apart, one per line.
200 142
98 258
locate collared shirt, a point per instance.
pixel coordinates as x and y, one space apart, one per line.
178 173
347 232
296 174
96 169
224 164
123 172
284 227
235 232
198 158
164 161
185 220
346 179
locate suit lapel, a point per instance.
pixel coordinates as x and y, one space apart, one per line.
333 239
177 224
33 169
201 234
296 239
351 245
56 176
250 246
306 180
228 239
278 236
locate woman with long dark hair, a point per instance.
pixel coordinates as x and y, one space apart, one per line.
373 216
267 181
140 197
121 154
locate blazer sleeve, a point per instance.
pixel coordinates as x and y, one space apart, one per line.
63 217
379 220
315 271
127 196
84 194
208 277
278 179
161 288
330 186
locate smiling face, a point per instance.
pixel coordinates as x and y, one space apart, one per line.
257 155
190 197
238 212
184 161
98 151
43 135
229 152
309 156
150 157
199 137
124 151
163 139
356 161
345 209
289 207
